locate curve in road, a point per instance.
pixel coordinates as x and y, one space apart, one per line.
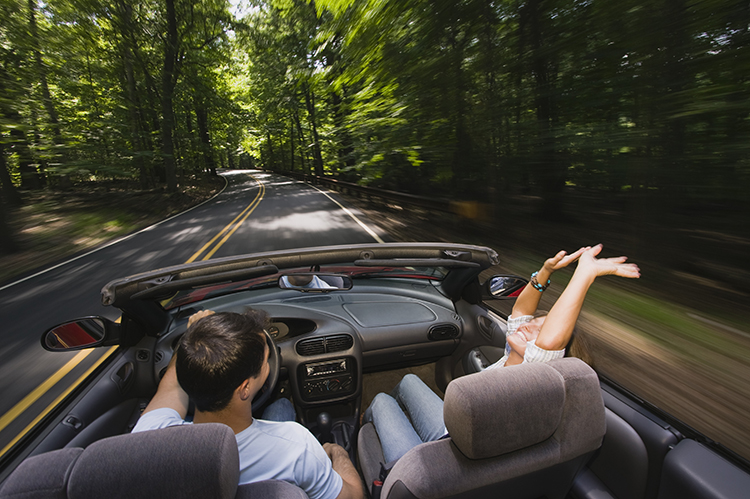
285 214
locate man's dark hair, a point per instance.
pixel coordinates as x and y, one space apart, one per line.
218 353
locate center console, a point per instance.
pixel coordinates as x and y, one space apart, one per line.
329 399
327 380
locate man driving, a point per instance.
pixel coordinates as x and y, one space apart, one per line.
221 363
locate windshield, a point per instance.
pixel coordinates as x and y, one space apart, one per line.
355 272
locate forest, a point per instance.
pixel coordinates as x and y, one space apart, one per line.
587 108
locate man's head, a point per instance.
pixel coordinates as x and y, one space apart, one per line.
218 353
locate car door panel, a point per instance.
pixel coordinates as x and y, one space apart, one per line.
104 394
693 471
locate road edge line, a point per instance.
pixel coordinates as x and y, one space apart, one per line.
112 243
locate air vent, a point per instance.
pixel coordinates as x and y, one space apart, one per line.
443 332
339 343
317 346
311 347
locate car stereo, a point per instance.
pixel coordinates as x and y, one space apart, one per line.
327 379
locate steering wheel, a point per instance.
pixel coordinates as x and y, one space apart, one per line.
273 375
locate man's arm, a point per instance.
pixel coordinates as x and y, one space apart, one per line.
170 393
352 485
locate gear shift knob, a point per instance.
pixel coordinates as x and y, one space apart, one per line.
324 427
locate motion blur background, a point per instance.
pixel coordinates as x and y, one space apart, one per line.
559 122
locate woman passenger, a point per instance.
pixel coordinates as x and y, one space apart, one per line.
531 337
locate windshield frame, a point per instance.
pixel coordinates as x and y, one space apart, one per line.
190 296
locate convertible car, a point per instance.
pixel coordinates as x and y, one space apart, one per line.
347 321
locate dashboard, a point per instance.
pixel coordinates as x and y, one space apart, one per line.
326 341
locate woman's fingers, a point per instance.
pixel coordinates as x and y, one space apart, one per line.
578 252
595 250
628 270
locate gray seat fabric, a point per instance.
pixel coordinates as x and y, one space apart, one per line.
270 489
181 461
521 431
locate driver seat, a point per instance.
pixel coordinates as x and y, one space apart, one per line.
515 432
180 461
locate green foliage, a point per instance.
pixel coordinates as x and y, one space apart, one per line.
85 91
456 98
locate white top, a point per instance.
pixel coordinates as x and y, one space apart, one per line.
270 450
533 353
315 283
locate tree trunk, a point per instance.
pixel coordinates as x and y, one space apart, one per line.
291 144
29 175
8 242
317 155
201 114
345 142
675 75
167 95
271 164
303 155
11 196
125 12
42 73
549 171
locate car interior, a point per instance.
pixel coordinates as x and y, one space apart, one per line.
552 430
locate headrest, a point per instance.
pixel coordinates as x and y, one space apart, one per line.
41 477
181 461
506 409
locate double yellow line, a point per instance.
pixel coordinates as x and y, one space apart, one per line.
232 226
39 391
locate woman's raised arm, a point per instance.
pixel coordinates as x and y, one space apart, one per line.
558 326
528 301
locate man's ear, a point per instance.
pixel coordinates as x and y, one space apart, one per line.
244 390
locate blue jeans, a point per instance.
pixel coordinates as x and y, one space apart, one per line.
280 410
398 432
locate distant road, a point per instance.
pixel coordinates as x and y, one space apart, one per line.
258 211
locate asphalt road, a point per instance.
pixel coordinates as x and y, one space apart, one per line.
257 211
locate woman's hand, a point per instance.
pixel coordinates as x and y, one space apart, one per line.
606 266
562 260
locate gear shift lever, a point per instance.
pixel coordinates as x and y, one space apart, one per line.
324 426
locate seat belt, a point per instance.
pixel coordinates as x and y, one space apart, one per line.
377 485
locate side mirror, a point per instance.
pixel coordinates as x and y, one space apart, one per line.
506 286
315 282
81 333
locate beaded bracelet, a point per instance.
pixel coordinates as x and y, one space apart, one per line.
536 284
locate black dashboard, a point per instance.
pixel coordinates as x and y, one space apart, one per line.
327 340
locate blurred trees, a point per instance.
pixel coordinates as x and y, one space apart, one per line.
113 90
473 98
469 99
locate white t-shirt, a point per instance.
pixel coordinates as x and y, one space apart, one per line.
271 450
533 352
